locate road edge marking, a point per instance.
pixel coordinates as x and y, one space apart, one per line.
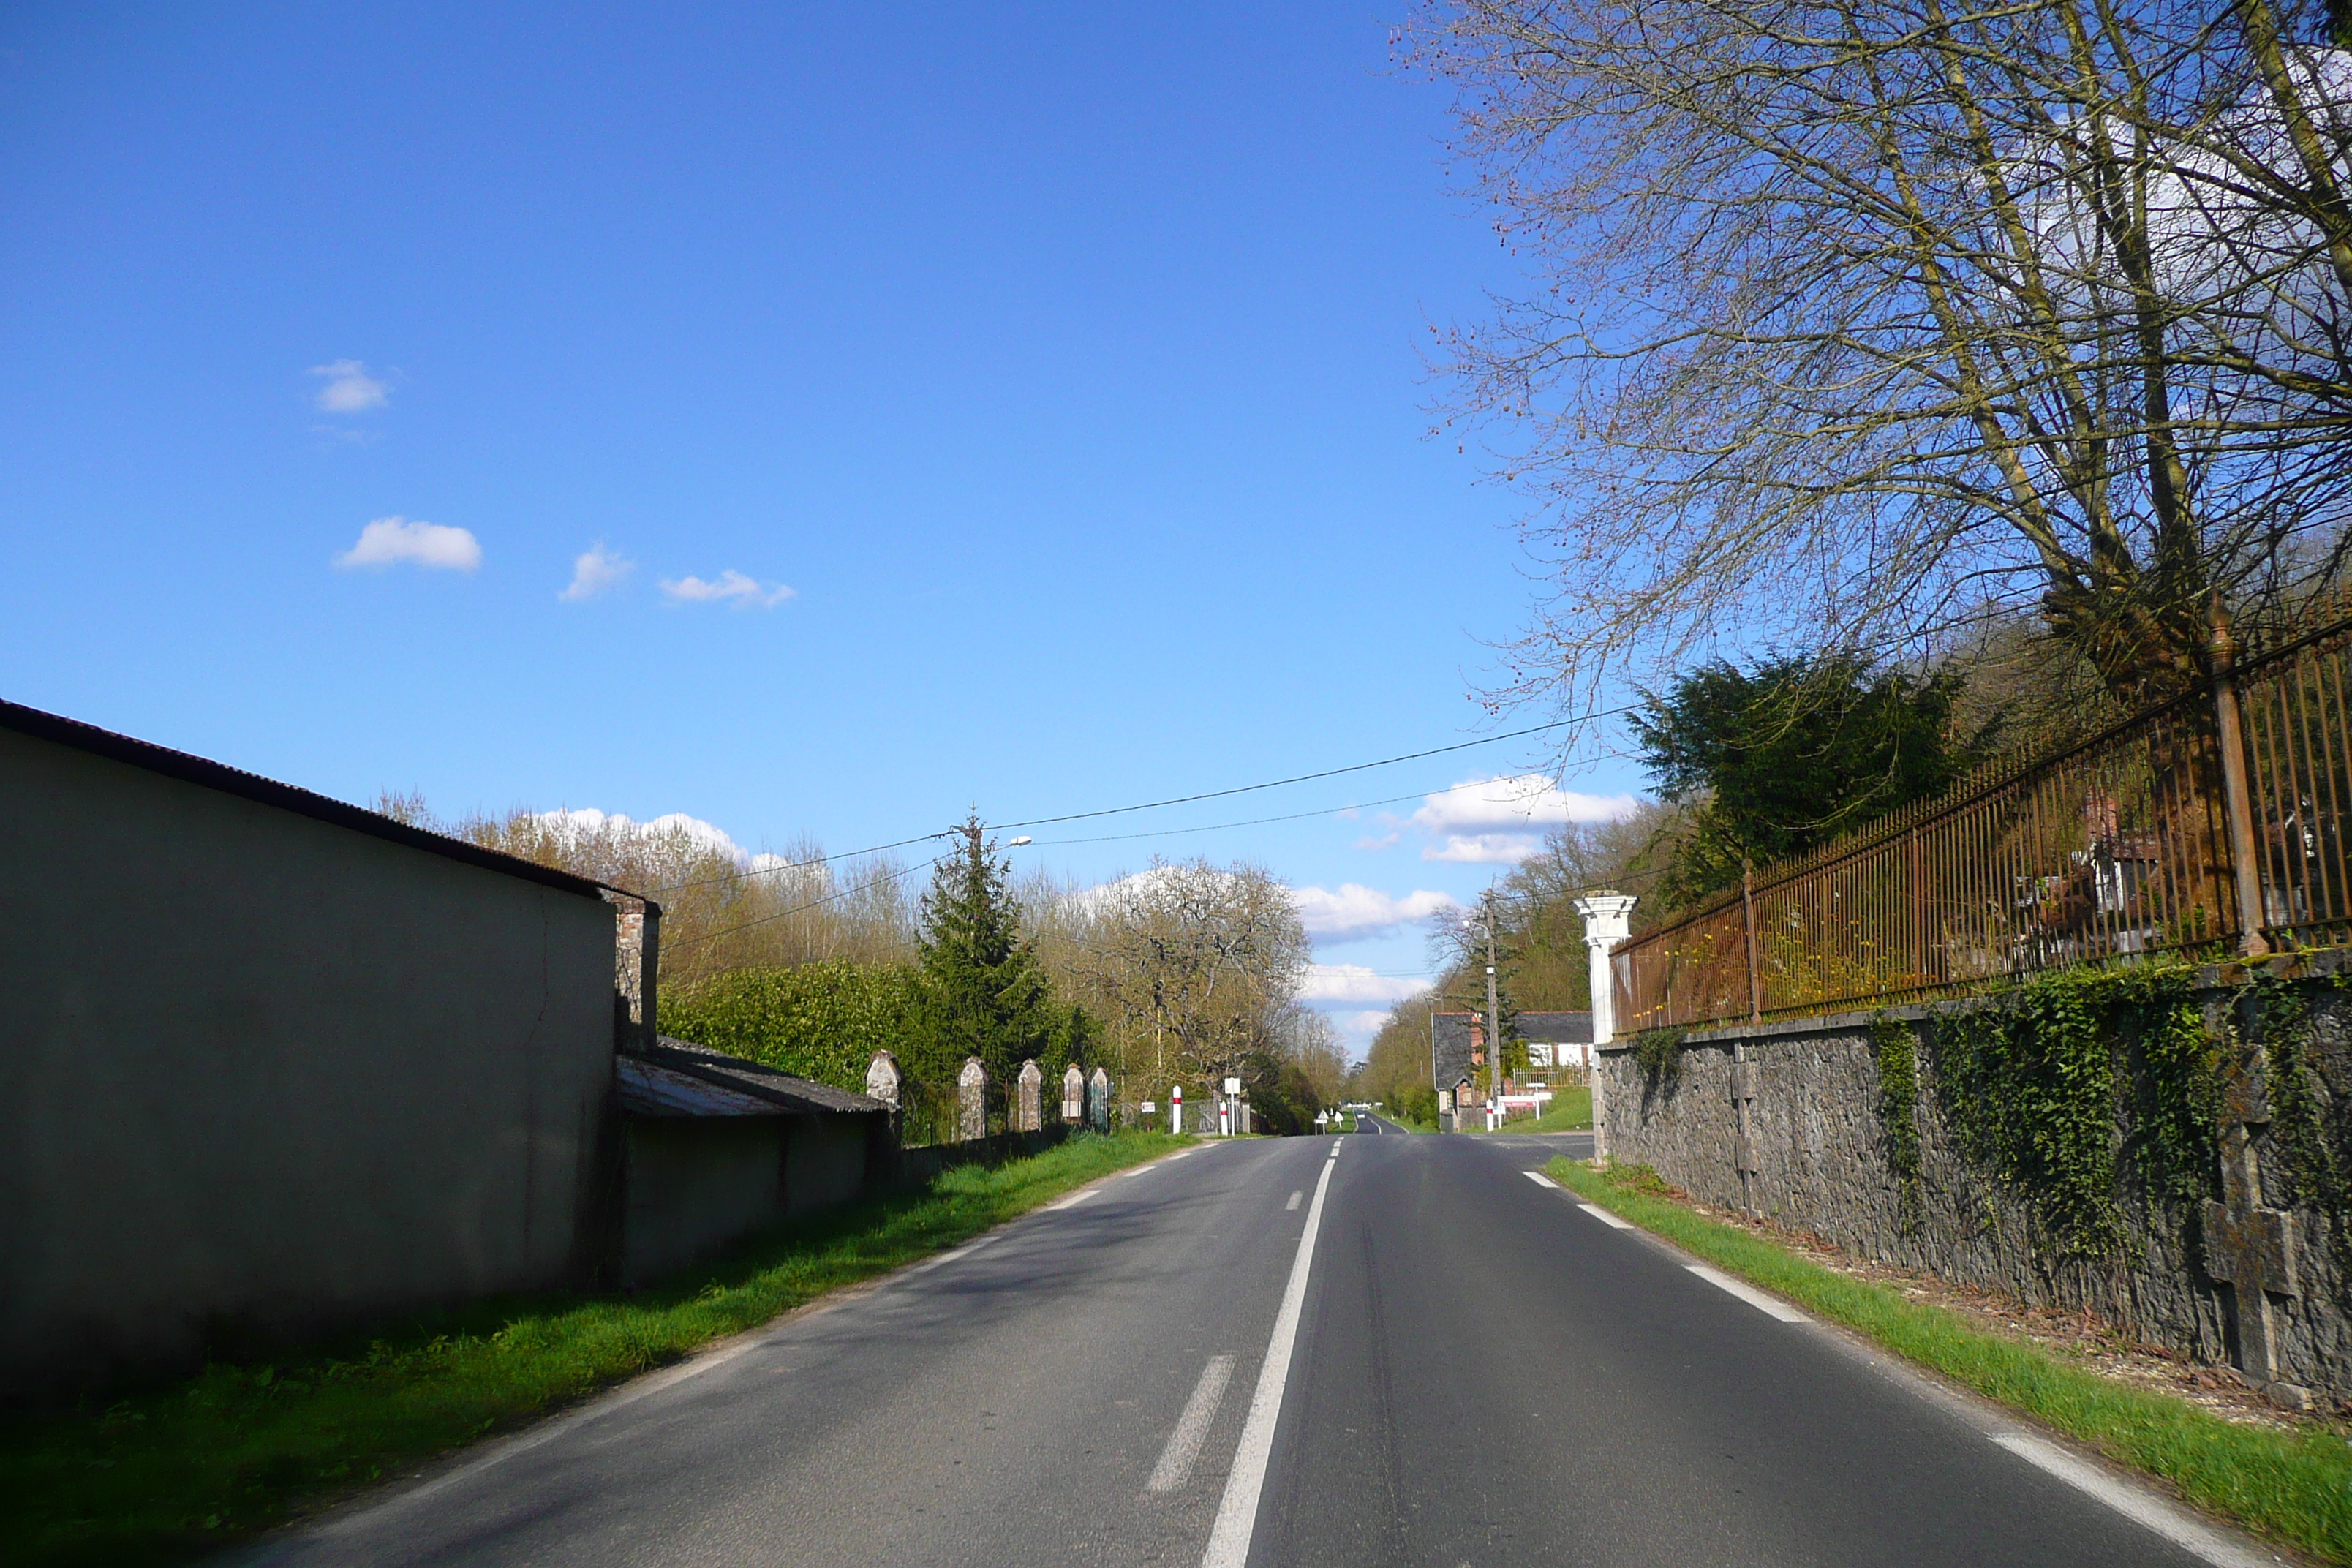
1539 1179
1771 1306
2191 1535
1606 1217
1229 1539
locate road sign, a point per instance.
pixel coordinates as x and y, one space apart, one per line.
1232 1086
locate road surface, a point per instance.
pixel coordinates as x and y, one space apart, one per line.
1458 1365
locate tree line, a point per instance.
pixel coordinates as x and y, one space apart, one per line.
1184 973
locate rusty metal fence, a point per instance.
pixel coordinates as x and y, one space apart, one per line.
2157 836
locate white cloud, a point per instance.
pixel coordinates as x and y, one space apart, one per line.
1515 802
730 587
1497 821
594 571
1484 849
1355 910
389 541
1355 983
350 389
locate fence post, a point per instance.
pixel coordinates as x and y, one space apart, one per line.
1748 926
2237 798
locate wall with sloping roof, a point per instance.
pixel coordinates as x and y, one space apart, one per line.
266 1073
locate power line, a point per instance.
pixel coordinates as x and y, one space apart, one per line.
1326 773
798 865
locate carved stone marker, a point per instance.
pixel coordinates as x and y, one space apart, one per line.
1743 1146
971 1101
1098 1101
882 1079
1074 1095
2248 1248
1031 1081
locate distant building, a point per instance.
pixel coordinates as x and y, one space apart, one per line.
1457 1049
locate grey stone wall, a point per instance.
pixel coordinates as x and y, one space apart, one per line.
1818 1150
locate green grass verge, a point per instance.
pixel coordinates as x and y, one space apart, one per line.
2297 1488
181 1470
1571 1111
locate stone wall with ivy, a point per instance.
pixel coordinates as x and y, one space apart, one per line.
2057 1141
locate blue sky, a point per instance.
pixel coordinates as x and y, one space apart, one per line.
1063 363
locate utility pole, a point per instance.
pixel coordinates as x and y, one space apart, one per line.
1493 1026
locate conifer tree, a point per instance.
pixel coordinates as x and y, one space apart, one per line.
984 992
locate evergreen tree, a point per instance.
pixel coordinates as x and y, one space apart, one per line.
984 993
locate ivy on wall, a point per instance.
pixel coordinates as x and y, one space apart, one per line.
1897 1053
2038 1082
1659 1053
2312 1155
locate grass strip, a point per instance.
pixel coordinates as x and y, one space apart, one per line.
1571 1111
2294 1487
183 1470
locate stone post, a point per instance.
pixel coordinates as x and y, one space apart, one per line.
1098 1101
1074 1095
971 1101
882 1079
2250 1247
1608 921
1027 1116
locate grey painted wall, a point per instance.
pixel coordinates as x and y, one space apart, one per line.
263 1074
1820 1150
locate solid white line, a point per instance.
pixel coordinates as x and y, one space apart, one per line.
1175 1466
1293 1203
2139 1506
1605 1217
1229 1540
1539 1179
966 1250
1771 1306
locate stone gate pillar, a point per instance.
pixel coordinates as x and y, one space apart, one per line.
1608 921
1098 1101
882 1079
1026 1116
1074 1095
971 1101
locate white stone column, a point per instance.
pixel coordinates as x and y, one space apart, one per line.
1608 921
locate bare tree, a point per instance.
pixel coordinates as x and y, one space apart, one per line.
1860 323
1193 966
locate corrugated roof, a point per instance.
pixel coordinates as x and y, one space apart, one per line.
202 771
786 1093
649 1089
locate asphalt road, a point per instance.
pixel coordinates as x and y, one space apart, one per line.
1463 1367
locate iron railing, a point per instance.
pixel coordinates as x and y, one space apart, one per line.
2149 837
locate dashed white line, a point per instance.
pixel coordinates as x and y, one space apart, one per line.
1539 1179
1175 1466
1605 1217
1081 1196
1771 1306
2139 1507
1293 1203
